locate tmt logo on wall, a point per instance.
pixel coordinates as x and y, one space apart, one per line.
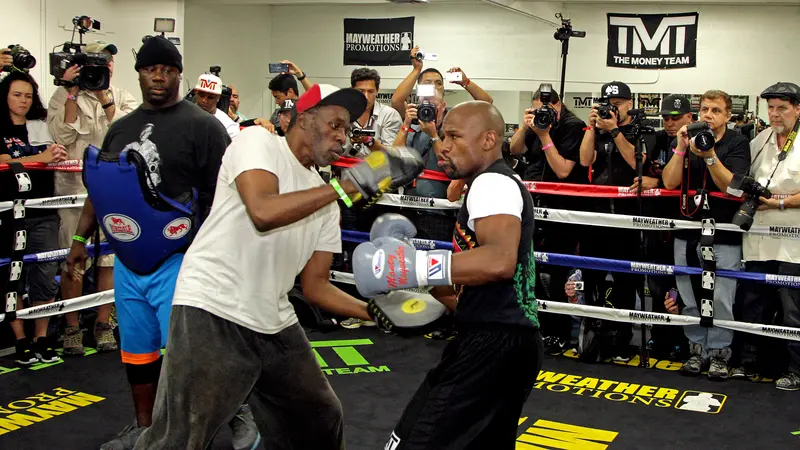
342 358
652 41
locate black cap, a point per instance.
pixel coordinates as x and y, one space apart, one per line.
616 89
158 50
675 105
782 89
287 105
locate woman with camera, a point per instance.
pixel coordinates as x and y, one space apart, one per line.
26 139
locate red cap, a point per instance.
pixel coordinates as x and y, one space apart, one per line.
327 95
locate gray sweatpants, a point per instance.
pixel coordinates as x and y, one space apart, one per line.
211 366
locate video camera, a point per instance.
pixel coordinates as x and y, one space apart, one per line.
545 116
700 133
95 73
22 59
747 187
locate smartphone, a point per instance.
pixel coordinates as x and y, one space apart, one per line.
453 77
673 295
426 90
278 68
578 285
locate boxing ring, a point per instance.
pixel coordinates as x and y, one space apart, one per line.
573 405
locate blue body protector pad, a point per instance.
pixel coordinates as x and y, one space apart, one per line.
143 226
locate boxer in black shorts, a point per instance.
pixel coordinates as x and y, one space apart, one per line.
474 397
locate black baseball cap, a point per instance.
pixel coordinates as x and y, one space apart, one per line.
287 105
616 89
675 105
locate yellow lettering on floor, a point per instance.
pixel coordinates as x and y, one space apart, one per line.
545 434
43 406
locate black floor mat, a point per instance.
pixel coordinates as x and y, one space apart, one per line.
83 402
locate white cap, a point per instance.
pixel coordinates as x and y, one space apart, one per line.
209 83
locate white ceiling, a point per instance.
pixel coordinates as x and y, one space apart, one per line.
528 2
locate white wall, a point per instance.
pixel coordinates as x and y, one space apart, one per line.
236 38
40 25
738 48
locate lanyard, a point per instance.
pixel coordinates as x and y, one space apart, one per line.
787 147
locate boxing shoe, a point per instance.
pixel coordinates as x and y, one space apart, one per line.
245 431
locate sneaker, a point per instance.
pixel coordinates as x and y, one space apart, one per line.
73 341
694 365
353 323
554 346
444 334
789 382
104 337
718 370
125 440
744 372
25 355
245 431
44 351
622 353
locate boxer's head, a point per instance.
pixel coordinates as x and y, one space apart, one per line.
473 139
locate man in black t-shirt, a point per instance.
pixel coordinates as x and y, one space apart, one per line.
180 150
676 112
553 154
711 170
474 397
608 149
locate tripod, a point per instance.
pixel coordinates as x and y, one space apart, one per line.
563 34
640 150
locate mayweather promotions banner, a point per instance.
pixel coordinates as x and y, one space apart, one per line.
652 41
378 42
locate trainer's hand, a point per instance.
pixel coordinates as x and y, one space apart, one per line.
392 225
383 170
76 261
389 264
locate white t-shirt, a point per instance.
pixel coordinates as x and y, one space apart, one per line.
242 275
230 126
764 152
492 194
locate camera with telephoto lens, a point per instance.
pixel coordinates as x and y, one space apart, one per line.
21 59
545 116
747 187
225 99
700 133
605 109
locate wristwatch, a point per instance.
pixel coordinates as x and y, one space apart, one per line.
614 133
711 161
434 139
782 205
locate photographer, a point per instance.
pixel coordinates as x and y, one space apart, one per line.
76 120
668 342
284 87
608 150
709 171
424 138
553 152
384 120
25 139
767 254
434 77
